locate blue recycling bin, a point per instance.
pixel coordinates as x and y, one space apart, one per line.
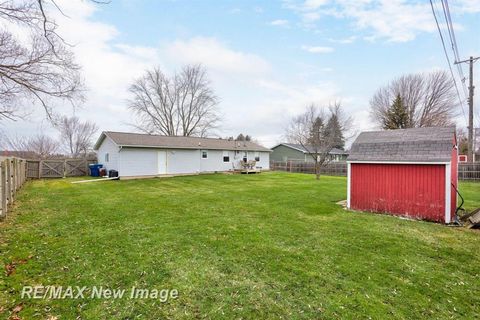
95 169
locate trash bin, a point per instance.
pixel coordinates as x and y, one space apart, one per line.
103 172
95 169
112 173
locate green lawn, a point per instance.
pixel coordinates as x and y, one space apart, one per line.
273 245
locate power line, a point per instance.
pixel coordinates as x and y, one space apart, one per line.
453 41
448 59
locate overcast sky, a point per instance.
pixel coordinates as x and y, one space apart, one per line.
266 60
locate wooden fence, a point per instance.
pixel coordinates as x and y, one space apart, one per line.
12 177
469 171
466 171
332 168
58 168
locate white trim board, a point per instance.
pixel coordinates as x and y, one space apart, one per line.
448 192
349 177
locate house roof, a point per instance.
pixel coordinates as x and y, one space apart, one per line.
126 139
300 148
404 145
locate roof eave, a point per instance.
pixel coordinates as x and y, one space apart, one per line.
189 148
99 141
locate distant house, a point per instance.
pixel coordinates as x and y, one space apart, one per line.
134 154
291 151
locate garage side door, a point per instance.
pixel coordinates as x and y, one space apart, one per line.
162 162
417 191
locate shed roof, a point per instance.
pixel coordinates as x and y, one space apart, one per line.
126 139
432 144
300 148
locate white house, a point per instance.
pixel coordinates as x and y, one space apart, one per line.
134 154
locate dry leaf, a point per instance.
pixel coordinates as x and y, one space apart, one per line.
10 268
17 309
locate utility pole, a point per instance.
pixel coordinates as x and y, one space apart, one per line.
476 135
471 88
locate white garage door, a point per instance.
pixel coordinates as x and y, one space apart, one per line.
138 162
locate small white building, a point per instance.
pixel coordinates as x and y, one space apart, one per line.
135 155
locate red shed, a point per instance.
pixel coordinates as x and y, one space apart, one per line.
406 172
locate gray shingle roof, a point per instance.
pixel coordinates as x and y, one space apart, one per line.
299 147
177 142
417 144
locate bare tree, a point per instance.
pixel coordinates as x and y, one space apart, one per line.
462 141
181 105
39 147
37 70
76 136
429 98
312 132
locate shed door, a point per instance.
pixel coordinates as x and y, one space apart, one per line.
415 190
162 162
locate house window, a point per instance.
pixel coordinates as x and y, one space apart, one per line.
245 158
107 157
226 157
204 154
257 156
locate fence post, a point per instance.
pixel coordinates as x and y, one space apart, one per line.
14 176
9 181
3 189
24 171
40 164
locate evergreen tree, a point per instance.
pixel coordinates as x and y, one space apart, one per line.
240 137
316 132
334 132
396 116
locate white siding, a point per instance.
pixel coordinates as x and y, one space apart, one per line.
214 162
138 162
110 148
264 162
183 161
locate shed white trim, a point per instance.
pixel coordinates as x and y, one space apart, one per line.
448 192
398 162
349 177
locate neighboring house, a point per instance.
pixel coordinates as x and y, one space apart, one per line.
408 172
134 154
291 151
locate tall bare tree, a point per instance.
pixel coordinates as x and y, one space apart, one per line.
40 146
76 136
429 99
40 69
181 105
311 130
